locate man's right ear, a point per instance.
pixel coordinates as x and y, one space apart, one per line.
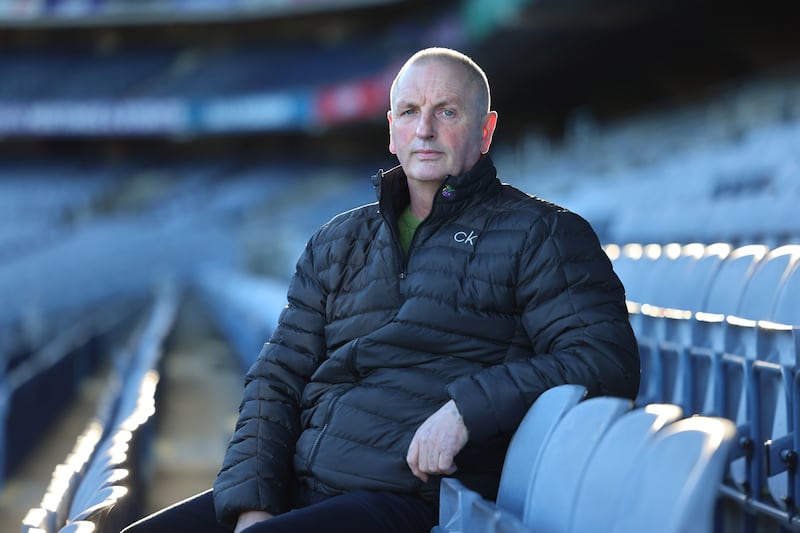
392 149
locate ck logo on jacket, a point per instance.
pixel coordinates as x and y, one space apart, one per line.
467 237
462 236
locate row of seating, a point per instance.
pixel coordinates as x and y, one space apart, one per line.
722 338
98 485
245 308
753 281
182 72
599 464
60 366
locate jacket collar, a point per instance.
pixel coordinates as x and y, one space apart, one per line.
455 193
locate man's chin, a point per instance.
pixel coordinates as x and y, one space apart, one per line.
427 172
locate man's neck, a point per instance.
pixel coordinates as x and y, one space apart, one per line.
421 196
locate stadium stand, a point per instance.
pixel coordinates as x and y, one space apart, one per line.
114 447
615 469
522 460
740 368
696 201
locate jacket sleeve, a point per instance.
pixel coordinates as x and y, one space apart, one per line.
576 322
257 467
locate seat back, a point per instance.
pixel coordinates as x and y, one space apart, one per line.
764 286
699 275
522 457
564 460
676 481
526 447
786 309
78 527
726 288
613 462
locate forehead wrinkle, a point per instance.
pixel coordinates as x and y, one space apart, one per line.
413 87
419 98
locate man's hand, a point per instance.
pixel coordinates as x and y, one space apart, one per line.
248 518
436 443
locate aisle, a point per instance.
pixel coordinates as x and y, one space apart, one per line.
201 387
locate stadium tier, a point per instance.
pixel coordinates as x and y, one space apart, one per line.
136 176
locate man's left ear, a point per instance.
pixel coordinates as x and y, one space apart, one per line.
489 124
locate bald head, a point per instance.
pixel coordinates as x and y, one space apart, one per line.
475 81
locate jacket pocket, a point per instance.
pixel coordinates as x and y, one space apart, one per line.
315 446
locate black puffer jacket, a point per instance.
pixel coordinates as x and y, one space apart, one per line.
502 296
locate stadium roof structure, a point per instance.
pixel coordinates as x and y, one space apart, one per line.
16 13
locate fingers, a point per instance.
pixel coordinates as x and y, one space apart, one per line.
412 458
436 443
446 464
428 456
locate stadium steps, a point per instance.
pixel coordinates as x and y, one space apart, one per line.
197 402
25 488
197 405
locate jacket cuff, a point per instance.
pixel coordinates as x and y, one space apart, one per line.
474 409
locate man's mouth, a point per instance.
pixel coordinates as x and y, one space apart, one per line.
427 154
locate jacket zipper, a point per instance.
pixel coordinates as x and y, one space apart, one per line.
315 448
404 255
351 360
318 440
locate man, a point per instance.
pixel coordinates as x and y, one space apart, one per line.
418 332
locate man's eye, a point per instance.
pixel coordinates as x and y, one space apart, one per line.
448 113
408 112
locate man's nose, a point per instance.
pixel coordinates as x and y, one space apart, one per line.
425 129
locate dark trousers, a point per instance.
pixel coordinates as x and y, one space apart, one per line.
354 512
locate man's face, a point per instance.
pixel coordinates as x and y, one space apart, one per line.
435 125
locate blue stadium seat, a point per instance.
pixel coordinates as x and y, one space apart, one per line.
90 484
660 324
552 494
675 483
616 456
728 285
764 285
100 502
787 310
529 442
775 406
631 266
521 461
245 307
486 517
79 527
697 277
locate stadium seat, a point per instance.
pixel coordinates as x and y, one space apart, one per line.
661 273
775 405
697 277
615 458
78 527
631 266
100 501
87 487
552 494
764 285
725 291
787 311
661 328
521 461
486 517
675 483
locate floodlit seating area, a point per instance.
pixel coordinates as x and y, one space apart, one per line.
109 459
600 464
697 208
727 349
